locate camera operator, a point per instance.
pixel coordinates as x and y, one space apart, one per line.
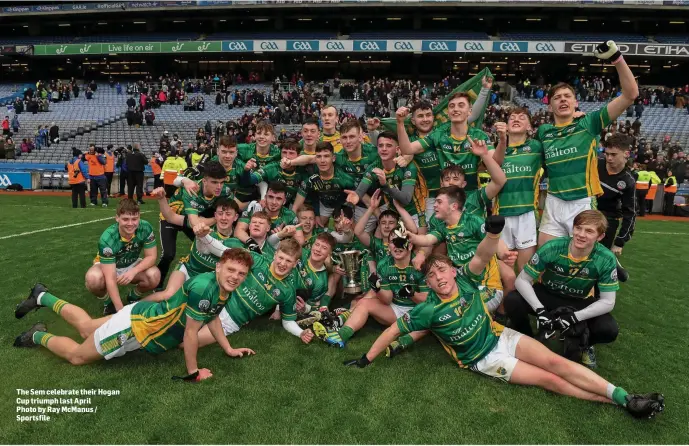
136 163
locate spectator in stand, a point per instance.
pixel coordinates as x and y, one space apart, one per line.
638 109
89 93
54 134
122 166
27 145
679 167
11 149
6 126
136 164
15 123
78 173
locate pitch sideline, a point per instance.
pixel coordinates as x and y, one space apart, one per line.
62 227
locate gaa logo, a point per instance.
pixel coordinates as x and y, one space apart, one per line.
237 46
545 47
438 46
509 46
303 46
334 46
474 46
369 46
269 46
403 46
5 181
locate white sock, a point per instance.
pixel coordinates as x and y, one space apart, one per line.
39 297
610 390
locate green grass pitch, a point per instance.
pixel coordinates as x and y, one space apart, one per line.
293 393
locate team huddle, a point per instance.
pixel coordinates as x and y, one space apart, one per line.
270 229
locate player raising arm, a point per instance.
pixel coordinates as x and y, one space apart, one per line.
118 262
570 148
154 327
461 322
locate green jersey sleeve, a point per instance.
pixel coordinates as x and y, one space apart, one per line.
438 231
288 303
596 121
269 172
430 141
246 151
539 261
608 273
107 249
147 234
411 173
198 301
190 205
475 227
419 318
476 202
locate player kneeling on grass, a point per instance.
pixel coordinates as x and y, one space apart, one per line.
118 262
154 327
399 289
568 269
459 319
197 262
269 284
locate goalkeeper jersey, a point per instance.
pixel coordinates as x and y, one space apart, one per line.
562 274
159 326
261 292
461 324
113 248
571 157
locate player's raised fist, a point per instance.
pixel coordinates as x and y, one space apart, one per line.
494 224
501 129
487 82
402 113
158 193
607 51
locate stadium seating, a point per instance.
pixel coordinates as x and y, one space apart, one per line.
666 38
43 40
450 35
656 122
147 37
581 37
324 35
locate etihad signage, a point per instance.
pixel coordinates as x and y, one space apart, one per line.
632 49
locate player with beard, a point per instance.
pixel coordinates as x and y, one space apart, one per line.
567 269
401 288
450 144
270 283
328 185
570 148
457 316
618 202
518 200
226 214
281 217
151 326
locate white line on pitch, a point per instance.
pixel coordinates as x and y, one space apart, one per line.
61 227
662 233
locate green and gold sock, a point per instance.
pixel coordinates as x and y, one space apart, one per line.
41 338
346 333
52 302
134 296
405 340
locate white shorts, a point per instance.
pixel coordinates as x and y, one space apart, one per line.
115 337
500 362
400 310
430 202
520 231
228 325
324 211
558 215
370 224
120 271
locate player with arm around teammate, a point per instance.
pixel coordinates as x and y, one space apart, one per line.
456 315
151 326
118 262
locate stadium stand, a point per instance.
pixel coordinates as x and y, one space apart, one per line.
666 38
585 37
152 37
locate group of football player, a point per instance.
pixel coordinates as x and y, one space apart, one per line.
276 230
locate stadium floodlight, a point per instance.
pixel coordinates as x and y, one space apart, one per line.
677 22
260 20
179 21
223 20
394 18
102 23
65 24
304 20
581 20
440 19
626 21
533 19
139 23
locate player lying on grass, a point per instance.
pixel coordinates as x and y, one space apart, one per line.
399 289
270 283
119 261
152 326
456 315
197 262
567 269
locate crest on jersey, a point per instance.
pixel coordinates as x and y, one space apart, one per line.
151 237
462 303
483 228
534 259
204 305
309 281
584 271
107 252
460 235
460 270
526 149
407 174
621 185
613 275
406 318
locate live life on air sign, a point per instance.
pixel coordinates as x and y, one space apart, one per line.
315 46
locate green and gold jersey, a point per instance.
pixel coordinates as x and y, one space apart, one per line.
562 274
198 263
232 180
285 217
522 167
273 172
394 278
462 240
397 178
571 157
183 203
159 326
308 240
261 292
330 193
248 151
378 249
112 248
312 279
476 202
333 139
462 324
429 166
357 168
452 150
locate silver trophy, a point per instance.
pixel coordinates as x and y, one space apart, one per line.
350 261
